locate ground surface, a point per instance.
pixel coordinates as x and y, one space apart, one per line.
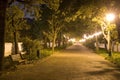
74 63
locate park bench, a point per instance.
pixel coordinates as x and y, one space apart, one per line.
16 59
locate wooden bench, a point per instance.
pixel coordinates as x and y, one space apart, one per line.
16 59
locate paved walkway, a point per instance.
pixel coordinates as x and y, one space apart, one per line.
75 63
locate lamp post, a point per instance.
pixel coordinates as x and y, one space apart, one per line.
109 17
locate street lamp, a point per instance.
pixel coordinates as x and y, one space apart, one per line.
109 17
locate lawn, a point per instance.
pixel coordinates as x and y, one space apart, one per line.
114 59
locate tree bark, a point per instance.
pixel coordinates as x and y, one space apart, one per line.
117 44
97 44
16 43
3 5
53 44
15 36
105 44
109 44
113 45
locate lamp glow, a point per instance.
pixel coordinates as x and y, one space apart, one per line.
110 17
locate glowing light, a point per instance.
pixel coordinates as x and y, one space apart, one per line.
72 40
110 17
98 33
85 36
82 40
90 36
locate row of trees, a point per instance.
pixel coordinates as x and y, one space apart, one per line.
49 20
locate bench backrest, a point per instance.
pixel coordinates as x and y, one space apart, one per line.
16 57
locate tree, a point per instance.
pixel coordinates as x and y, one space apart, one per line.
3 5
53 30
15 22
106 28
53 21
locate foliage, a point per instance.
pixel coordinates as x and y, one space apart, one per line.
34 31
90 43
53 28
114 59
31 47
53 4
60 10
14 22
53 20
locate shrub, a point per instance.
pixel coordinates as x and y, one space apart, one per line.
115 58
90 44
31 47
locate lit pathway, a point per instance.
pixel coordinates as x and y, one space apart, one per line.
75 63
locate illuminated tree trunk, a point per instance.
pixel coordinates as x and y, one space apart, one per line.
97 44
3 5
109 44
53 43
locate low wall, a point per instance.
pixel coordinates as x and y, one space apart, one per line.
8 48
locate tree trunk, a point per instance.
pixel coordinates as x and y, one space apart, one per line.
113 45
117 44
3 5
53 44
16 43
109 44
105 44
97 45
15 37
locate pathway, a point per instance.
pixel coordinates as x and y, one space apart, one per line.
75 63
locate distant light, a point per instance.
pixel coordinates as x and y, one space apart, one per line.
98 33
110 17
82 40
85 36
72 40
90 36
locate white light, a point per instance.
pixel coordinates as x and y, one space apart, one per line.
98 33
85 36
89 36
82 40
72 40
110 17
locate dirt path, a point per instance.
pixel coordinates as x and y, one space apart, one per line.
74 63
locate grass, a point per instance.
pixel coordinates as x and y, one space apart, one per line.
45 53
115 58
102 52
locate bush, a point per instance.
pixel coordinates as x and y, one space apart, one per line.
89 44
114 59
31 47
